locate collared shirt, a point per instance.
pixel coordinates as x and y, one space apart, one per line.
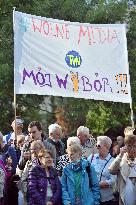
106 193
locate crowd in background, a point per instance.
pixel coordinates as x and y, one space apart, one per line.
39 170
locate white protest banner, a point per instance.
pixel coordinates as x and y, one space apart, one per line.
60 58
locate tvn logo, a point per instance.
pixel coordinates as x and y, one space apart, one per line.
73 59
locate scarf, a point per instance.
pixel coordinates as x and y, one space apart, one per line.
76 166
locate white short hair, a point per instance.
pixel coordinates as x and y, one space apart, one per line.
53 127
73 140
105 140
83 130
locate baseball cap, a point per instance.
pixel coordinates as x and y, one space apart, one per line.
19 122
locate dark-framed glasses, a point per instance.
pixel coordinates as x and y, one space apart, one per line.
98 146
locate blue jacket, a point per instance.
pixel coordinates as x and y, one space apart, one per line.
89 196
8 151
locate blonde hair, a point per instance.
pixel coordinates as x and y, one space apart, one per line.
44 152
105 140
74 148
38 144
20 139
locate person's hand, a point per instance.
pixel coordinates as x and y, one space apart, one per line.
26 155
122 151
103 184
49 203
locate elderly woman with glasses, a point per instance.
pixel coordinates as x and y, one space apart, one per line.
44 187
125 167
101 162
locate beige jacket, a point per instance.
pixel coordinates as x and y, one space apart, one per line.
120 167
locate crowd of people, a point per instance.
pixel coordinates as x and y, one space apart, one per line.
39 170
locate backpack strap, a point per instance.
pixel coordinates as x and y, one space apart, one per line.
104 167
92 157
88 170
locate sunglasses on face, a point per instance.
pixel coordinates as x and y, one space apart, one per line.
98 146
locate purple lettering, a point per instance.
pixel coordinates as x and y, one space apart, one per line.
40 79
97 85
106 82
86 82
49 80
25 73
60 81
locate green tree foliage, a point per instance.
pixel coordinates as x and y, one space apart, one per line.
99 116
103 11
104 115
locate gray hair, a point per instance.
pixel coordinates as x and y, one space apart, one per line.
53 127
83 130
73 140
1 135
105 140
76 148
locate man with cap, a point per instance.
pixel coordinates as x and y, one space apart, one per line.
10 138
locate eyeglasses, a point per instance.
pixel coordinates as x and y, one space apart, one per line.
98 146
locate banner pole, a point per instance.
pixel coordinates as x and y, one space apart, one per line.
15 107
15 113
132 115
